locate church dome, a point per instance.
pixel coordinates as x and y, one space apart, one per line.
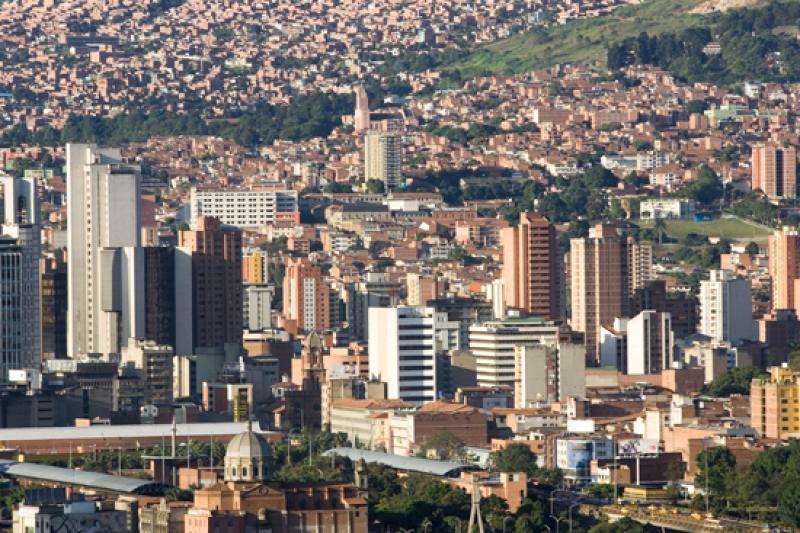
248 445
247 457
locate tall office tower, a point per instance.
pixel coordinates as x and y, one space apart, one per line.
20 304
599 283
533 268
54 302
649 343
546 373
640 265
383 157
377 290
361 117
159 295
726 312
216 266
306 296
784 268
775 170
104 257
404 350
493 343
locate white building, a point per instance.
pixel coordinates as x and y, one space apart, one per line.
676 208
650 160
105 262
243 208
20 246
258 307
650 342
493 343
546 374
404 342
726 312
383 157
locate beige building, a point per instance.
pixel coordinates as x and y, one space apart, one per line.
775 170
775 404
383 157
548 373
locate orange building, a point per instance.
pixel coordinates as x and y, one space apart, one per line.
532 267
306 296
775 404
784 268
599 283
775 170
216 282
510 486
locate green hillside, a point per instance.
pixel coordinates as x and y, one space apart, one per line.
580 41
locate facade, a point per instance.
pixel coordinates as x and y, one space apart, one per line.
674 208
104 261
575 453
361 116
53 290
153 364
216 277
640 265
599 283
255 267
775 404
365 421
548 373
726 308
775 170
784 268
20 300
257 307
533 268
159 294
383 157
244 208
403 350
649 343
306 296
493 344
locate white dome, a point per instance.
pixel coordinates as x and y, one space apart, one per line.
248 445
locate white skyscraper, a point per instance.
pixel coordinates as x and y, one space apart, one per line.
105 262
403 345
20 244
726 312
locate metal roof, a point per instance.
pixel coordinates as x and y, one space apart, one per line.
103 431
401 462
66 476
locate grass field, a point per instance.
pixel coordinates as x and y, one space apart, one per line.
579 41
725 228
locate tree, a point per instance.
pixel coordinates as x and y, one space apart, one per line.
717 464
445 445
660 227
752 248
734 381
515 457
706 189
375 186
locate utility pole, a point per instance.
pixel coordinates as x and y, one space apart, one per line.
475 510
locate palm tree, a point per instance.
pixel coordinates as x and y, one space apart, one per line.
660 227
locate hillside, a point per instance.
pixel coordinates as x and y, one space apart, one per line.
580 41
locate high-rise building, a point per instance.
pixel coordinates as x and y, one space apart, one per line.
640 265
306 296
159 295
216 274
726 312
383 157
546 373
493 343
775 170
255 267
20 304
404 348
784 268
54 302
599 283
649 343
257 307
775 404
104 260
421 288
533 268
361 117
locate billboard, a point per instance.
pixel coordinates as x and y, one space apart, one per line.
637 447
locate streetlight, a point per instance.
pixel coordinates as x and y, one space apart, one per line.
570 514
558 522
505 519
